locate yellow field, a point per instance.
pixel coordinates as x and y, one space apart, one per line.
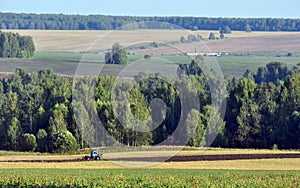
263 164
150 152
81 41
259 164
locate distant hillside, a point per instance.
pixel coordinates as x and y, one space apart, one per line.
102 22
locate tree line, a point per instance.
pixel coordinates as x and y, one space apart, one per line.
13 45
102 22
39 112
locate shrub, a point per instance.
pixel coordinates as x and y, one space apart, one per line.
42 140
275 147
147 56
63 142
27 142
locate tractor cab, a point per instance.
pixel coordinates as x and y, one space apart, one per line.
94 156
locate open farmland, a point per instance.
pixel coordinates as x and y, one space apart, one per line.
206 159
224 173
59 50
63 50
82 41
67 63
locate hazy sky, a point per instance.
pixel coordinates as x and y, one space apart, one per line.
208 8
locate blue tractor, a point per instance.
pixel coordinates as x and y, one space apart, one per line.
94 156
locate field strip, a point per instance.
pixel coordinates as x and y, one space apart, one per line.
158 159
262 164
81 41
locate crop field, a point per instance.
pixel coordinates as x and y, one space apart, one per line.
82 41
67 63
63 50
146 178
284 172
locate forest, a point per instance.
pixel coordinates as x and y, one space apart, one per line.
47 112
106 22
13 45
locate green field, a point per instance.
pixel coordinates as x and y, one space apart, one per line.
66 63
146 178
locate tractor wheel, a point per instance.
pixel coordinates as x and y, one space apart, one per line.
87 158
97 158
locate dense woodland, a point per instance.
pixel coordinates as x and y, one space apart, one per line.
101 22
37 111
13 45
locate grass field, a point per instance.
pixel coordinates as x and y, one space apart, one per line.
67 63
146 178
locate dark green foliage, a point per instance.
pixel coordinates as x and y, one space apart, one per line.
118 55
62 142
27 142
262 110
225 30
222 36
147 57
100 22
264 114
42 140
193 38
33 103
146 178
272 72
13 45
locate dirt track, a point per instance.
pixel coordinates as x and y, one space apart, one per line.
177 158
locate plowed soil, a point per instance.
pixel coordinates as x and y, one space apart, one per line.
177 158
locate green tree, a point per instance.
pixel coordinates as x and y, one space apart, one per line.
227 30
42 140
272 72
27 47
108 58
247 28
63 142
27 142
14 133
222 36
13 45
214 127
266 97
57 121
211 36
182 39
141 134
195 129
119 54
82 118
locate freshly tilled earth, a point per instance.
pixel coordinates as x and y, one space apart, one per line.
175 158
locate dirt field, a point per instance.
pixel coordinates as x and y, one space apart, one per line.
287 43
257 164
81 41
214 158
